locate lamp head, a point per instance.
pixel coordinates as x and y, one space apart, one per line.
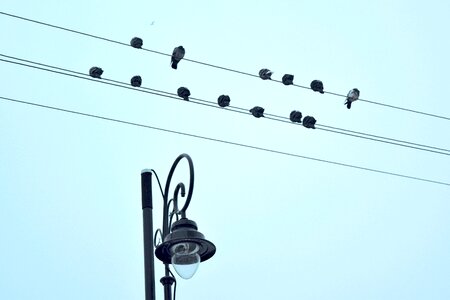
185 247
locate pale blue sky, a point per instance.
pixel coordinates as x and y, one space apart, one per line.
70 211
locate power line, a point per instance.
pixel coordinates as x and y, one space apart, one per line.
112 82
327 128
223 141
378 136
217 66
234 109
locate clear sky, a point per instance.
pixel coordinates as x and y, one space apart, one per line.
284 227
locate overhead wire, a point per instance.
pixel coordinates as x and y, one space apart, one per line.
381 137
223 141
80 75
216 66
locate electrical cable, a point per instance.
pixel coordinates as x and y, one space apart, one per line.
371 137
232 108
224 141
386 138
116 83
218 67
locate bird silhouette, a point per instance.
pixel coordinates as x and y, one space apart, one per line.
309 122
288 79
96 72
223 100
177 55
352 96
136 42
317 86
296 116
184 93
257 111
265 74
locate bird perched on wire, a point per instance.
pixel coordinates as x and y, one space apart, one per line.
177 55
317 86
96 72
223 100
184 93
296 116
265 74
288 79
309 122
352 96
136 42
257 111
136 81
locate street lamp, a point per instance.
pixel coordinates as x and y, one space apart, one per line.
182 245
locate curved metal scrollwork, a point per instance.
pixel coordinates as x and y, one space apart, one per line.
179 189
156 243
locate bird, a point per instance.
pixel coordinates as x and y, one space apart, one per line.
136 42
352 96
184 93
309 122
223 100
96 72
177 55
265 74
317 86
295 116
257 111
288 79
136 81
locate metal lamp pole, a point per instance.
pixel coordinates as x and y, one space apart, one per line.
183 245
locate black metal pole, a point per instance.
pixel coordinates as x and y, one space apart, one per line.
147 211
167 282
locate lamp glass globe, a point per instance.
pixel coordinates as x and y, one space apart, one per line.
185 259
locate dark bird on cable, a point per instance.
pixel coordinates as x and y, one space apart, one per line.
352 96
184 93
96 72
309 122
223 100
317 86
136 81
136 42
265 74
288 79
177 55
295 116
257 111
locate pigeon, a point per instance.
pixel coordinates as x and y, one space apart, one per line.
352 96
265 74
177 55
184 93
288 79
309 122
295 116
96 72
136 81
223 100
257 111
136 42
317 86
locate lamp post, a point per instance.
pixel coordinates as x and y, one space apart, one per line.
182 245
